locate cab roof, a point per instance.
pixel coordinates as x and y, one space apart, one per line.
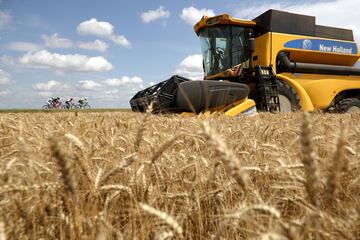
280 22
224 19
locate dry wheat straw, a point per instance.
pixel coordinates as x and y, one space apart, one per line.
116 187
226 155
193 184
127 161
2 231
313 182
18 188
265 209
163 147
141 130
333 181
74 140
64 166
163 216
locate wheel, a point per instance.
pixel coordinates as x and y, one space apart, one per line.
348 105
87 106
45 107
289 99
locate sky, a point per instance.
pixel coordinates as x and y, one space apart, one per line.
108 50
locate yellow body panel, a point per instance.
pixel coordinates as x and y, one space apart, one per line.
316 91
240 108
306 103
321 89
278 40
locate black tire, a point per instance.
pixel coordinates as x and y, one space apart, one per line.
348 105
87 106
45 107
289 99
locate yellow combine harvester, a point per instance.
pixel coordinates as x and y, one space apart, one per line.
278 62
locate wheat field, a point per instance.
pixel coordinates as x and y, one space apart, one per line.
86 175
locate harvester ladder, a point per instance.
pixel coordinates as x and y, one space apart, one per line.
268 89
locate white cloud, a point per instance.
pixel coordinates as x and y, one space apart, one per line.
330 13
95 27
191 67
22 46
125 80
121 40
89 85
192 15
8 60
46 94
51 85
102 29
54 41
112 92
4 93
65 63
5 78
96 45
5 18
153 15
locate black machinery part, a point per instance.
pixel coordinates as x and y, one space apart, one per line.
161 95
285 65
198 96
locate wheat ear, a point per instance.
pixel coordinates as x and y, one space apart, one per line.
142 128
226 155
64 166
169 220
333 181
313 182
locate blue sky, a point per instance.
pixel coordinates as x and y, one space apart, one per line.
108 50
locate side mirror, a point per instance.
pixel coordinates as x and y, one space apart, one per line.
252 44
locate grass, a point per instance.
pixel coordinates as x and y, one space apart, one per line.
124 175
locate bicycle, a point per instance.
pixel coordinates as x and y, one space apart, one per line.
68 105
53 105
83 105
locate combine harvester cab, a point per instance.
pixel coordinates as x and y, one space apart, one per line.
279 61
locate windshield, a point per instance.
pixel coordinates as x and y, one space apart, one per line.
224 47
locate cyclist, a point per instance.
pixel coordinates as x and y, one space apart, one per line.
82 101
56 102
50 101
69 103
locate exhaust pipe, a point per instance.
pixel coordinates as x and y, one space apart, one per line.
285 65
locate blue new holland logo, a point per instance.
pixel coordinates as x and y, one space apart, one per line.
323 46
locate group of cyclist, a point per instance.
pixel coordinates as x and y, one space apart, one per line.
55 102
